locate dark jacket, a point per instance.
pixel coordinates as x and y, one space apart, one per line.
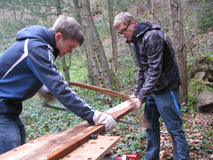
23 72
157 67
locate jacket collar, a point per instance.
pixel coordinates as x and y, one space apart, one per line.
140 29
52 37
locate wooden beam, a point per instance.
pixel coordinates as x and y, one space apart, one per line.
62 144
121 110
94 149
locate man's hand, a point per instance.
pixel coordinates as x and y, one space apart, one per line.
105 119
45 93
138 103
133 96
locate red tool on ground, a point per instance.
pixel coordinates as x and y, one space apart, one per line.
124 157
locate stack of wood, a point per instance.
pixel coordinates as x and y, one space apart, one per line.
72 144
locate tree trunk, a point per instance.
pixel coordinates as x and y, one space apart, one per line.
92 62
153 10
96 53
77 13
177 35
163 16
101 57
114 56
65 67
58 7
89 69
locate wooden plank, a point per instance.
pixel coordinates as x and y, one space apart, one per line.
25 149
94 149
67 141
121 110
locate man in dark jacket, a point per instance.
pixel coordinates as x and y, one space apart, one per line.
28 65
157 83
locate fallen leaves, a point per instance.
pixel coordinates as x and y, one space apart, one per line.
198 129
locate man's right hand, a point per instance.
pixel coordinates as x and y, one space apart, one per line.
138 103
133 96
45 93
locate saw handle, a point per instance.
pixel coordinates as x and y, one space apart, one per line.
99 89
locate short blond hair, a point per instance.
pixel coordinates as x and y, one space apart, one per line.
123 17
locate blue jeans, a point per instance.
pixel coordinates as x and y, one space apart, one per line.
12 133
163 105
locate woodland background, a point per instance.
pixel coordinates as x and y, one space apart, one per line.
105 60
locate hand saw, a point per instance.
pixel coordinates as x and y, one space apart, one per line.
105 91
99 89
144 124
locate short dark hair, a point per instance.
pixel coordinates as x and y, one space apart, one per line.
69 28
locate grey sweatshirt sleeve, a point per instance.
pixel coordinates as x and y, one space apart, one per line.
154 45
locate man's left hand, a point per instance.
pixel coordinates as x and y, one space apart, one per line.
105 119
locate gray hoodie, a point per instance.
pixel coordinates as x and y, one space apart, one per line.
157 67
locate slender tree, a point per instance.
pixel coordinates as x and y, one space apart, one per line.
99 64
92 61
90 79
177 35
65 66
204 15
100 54
114 57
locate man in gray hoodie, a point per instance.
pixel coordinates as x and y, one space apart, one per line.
157 82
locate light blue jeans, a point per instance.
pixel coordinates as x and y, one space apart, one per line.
12 133
163 105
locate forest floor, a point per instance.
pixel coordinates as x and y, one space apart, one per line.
198 129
